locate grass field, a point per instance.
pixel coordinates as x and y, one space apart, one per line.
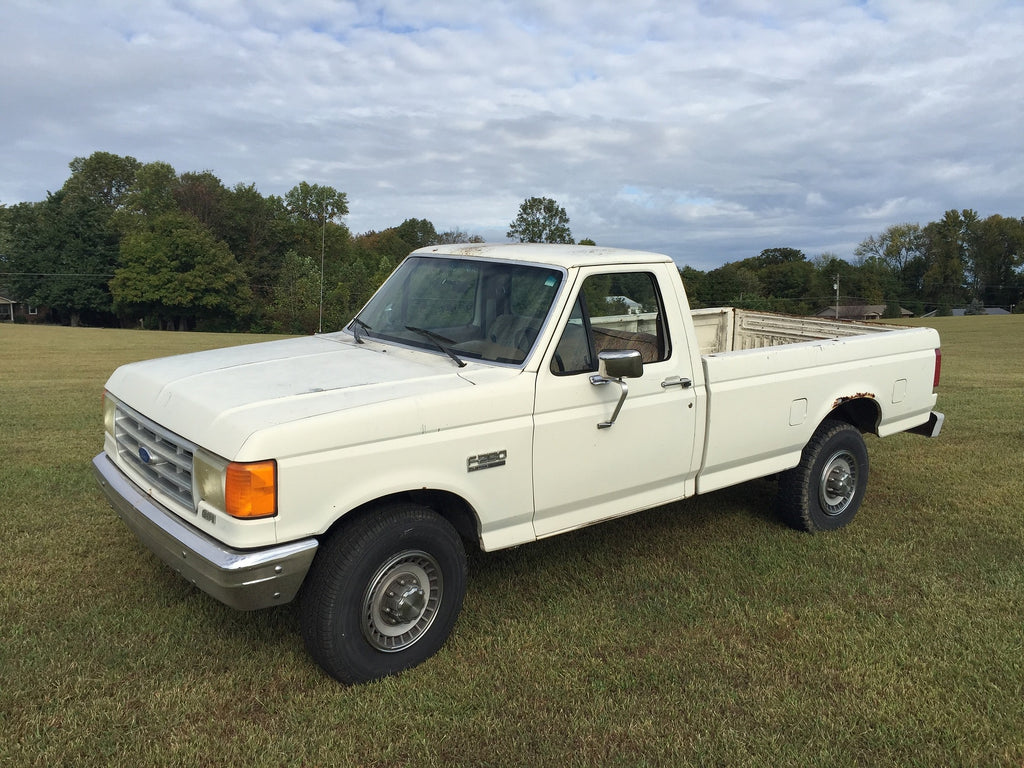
702 633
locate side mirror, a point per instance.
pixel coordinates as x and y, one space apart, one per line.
616 365
621 364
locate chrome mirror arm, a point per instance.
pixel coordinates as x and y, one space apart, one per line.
597 380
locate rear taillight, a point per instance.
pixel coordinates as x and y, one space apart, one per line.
938 367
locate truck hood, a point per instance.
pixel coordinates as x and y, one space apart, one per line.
218 398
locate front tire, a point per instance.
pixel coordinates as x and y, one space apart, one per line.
824 491
384 593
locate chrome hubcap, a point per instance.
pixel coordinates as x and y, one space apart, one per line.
401 601
404 601
838 483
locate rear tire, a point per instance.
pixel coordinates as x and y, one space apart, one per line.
384 593
824 491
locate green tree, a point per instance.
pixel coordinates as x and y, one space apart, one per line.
693 281
352 289
733 285
321 205
946 244
772 257
312 202
296 298
21 235
5 240
417 233
785 275
453 236
596 291
66 247
259 232
64 252
892 310
150 195
900 248
995 254
873 281
102 177
976 307
176 272
203 196
372 246
828 267
540 220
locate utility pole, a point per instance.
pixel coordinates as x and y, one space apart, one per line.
836 286
323 244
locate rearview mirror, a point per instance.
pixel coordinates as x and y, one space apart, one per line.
621 364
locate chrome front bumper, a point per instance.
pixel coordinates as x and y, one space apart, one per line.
242 579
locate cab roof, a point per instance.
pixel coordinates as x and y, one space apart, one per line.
565 256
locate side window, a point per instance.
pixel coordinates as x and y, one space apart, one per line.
613 311
574 353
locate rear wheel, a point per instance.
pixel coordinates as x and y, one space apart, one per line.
384 593
824 491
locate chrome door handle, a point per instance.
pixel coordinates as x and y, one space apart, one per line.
676 381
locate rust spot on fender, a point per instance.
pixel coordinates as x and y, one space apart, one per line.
843 400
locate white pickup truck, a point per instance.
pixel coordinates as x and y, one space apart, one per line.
488 395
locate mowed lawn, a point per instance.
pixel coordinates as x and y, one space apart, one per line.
700 633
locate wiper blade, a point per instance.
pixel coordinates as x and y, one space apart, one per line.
440 342
356 325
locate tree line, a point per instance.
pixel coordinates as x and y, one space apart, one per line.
960 261
140 245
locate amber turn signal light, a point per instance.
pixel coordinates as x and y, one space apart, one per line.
251 489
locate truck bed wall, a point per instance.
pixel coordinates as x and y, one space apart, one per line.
764 403
727 329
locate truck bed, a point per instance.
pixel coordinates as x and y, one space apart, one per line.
728 329
772 379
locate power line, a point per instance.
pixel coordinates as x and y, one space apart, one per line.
54 274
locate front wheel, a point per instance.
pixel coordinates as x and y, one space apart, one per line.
824 491
384 593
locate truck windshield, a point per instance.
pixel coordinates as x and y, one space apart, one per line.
466 308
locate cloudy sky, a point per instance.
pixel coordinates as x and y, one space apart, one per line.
706 130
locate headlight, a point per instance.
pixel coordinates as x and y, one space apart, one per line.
243 490
109 413
208 473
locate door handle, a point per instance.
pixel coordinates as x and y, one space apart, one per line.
676 381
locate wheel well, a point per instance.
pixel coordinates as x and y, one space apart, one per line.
451 507
861 412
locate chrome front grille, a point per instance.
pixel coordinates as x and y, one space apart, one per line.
158 455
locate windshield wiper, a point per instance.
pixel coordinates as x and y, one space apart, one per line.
356 325
439 341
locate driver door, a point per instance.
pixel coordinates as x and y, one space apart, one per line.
584 473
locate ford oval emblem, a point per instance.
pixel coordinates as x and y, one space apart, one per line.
144 455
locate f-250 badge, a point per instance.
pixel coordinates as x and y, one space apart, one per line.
486 460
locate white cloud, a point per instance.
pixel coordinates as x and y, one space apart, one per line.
706 130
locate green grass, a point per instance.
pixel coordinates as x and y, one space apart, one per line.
701 633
